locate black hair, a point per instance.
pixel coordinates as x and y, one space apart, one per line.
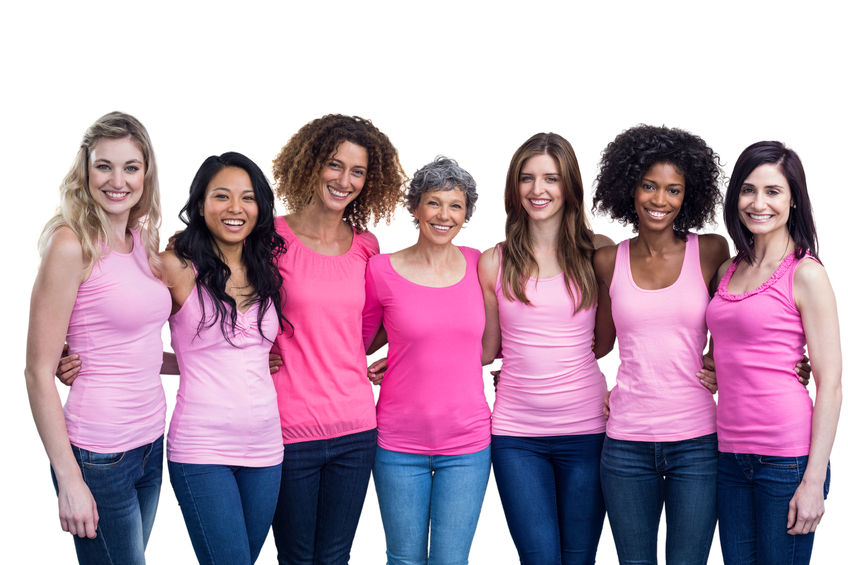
628 157
262 247
801 226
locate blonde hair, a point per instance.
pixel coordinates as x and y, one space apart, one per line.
78 210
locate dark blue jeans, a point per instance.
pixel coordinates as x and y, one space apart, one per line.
753 504
227 509
321 495
125 486
551 495
639 477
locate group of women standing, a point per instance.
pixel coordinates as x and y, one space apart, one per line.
312 288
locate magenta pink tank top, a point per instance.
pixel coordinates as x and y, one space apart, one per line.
661 339
117 402
758 336
226 411
550 383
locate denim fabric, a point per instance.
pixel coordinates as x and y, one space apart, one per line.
551 495
321 495
125 486
753 504
639 477
227 509
435 496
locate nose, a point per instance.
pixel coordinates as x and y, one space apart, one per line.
117 180
344 179
659 198
759 200
537 187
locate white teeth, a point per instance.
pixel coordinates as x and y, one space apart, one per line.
656 214
338 193
234 222
759 216
538 202
440 228
112 194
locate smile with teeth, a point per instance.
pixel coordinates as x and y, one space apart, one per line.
233 222
539 202
115 195
337 193
440 228
657 214
759 217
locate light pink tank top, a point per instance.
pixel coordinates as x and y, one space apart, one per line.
226 411
550 383
661 339
117 402
758 335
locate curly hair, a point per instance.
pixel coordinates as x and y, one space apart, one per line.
79 211
297 167
629 156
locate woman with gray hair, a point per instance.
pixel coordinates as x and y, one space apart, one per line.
433 422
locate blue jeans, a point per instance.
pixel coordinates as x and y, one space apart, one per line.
321 495
227 509
125 486
639 476
753 503
550 490
439 496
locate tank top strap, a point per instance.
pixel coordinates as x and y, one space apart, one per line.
498 289
690 271
622 263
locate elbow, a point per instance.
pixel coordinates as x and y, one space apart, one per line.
487 359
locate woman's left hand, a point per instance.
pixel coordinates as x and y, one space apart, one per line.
376 370
805 509
707 375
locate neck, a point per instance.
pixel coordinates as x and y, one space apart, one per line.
545 234
656 242
432 253
231 254
772 247
118 228
320 220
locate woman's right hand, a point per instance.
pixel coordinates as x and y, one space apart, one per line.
376 371
606 405
69 367
77 509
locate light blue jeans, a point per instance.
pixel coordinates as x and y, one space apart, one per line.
435 495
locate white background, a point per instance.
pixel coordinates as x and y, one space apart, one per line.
468 80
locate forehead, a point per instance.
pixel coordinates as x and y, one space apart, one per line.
665 171
541 162
351 154
233 178
767 174
116 150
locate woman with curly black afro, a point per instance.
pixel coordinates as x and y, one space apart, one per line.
654 289
336 175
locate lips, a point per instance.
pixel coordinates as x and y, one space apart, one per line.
115 195
656 214
759 217
337 194
539 202
441 228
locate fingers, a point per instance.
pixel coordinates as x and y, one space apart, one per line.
606 405
793 511
68 369
496 377
275 361
376 371
707 379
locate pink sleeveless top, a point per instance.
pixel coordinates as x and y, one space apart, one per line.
661 339
758 336
117 402
431 400
550 382
226 411
323 390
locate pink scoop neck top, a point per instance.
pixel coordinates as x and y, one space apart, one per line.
758 336
661 334
226 412
117 402
550 383
322 388
431 400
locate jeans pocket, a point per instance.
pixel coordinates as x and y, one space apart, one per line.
94 460
776 462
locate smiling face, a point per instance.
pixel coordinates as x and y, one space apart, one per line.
540 186
440 215
343 176
659 197
116 176
765 200
229 207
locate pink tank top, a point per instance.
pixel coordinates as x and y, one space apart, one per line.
226 411
117 402
758 336
322 388
431 400
661 339
550 383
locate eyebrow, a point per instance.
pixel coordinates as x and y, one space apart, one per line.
657 183
104 160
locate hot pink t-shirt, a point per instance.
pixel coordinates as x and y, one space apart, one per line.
550 383
322 388
758 336
661 338
117 402
431 400
226 411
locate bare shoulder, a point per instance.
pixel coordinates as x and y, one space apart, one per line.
600 240
63 244
604 258
810 275
174 267
723 269
487 268
712 245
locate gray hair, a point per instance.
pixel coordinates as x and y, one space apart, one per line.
441 174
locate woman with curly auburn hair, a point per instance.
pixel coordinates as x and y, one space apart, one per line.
540 296
337 174
97 284
773 299
654 290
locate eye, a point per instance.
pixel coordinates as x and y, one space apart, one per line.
773 192
551 180
333 165
647 186
359 173
250 197
220 196
102 167
432 203
525 178
746 190
132 168
674 191
457 206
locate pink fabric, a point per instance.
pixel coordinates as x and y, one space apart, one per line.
117 402
550 383
661 339
431 400
758 336
226 411
322 388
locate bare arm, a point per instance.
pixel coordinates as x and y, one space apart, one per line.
487 272
817 304
604 263
53 296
